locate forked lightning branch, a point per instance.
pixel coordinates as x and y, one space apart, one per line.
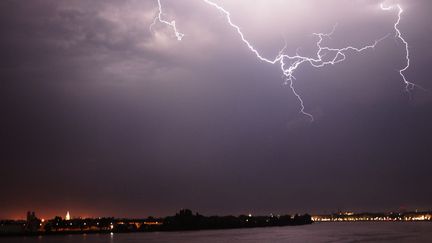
290 63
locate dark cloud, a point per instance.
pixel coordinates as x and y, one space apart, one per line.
99 110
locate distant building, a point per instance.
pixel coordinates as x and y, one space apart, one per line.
349 217
12 227
33 223
68 216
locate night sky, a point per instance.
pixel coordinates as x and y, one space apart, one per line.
103 117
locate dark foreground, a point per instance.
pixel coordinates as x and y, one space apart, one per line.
185 220
319 232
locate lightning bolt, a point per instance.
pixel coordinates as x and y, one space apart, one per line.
171 24
289 63
408 85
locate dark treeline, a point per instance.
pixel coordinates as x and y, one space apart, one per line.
186 220
183 220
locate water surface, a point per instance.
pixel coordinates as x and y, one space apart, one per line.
318 232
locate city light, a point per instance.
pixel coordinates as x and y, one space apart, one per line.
352 217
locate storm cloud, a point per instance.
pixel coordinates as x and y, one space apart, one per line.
97 109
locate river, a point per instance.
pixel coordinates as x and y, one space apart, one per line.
318 232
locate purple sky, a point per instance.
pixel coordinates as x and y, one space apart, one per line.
101 116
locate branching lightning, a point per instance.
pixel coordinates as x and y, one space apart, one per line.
408 85
171 24
289 64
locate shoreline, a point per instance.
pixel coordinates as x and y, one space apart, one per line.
65 233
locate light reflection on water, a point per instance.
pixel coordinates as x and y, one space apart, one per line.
319 232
